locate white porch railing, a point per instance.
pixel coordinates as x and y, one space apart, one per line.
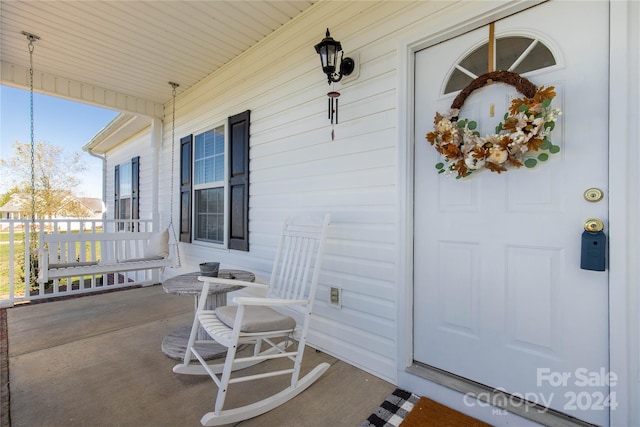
18 267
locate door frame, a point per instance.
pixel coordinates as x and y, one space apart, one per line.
624 207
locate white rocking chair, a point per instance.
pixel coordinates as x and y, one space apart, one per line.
293 285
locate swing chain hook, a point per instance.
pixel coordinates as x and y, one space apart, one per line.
32 38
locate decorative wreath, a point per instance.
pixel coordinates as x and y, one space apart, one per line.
525 129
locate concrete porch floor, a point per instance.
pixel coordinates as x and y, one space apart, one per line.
97 361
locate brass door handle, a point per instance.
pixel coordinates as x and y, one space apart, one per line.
593 225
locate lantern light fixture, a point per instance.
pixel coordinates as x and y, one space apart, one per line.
331 57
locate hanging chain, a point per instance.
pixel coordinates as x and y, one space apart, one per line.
33 234
31 39
173 142
173 151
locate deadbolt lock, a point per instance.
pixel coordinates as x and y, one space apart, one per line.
593 225
593 195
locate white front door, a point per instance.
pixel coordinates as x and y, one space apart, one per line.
499 295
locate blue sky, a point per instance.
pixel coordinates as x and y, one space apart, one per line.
59 122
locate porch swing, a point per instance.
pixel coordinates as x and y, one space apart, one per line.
108 252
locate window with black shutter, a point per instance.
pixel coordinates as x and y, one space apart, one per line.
204 187
127 193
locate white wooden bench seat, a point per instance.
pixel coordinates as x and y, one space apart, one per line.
86 254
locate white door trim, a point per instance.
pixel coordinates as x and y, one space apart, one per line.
624 206
624 232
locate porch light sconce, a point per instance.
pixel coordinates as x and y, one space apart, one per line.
329 49
335 67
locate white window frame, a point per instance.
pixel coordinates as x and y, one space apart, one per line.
125 173
210 185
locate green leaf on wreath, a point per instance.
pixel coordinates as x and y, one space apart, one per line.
499 128
550 125
523 108
505 116
472 125
543 157
554 149
440 166
546 102
546 144
441 171
462 123
476 133
530 163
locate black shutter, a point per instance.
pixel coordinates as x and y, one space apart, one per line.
116 193
135 189
186 162
239 181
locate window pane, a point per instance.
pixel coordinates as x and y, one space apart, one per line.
125 208
509 49
457 81
210 215
218 166
125 179
477 62
539 57
219 141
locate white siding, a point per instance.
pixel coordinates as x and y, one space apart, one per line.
296 168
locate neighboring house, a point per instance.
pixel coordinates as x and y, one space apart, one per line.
19 204
13 209
444 284
92 206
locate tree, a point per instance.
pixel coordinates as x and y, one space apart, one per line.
54 177
5 197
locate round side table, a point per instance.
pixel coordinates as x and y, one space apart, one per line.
174 345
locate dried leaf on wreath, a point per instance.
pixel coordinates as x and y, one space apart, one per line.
480 153
510 124
515 162
504 141
516 104
451 151
461 167
495 167
544 93
534 144
447 136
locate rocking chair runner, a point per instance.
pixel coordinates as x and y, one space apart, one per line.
253 321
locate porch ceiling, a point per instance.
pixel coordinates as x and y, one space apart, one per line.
121 55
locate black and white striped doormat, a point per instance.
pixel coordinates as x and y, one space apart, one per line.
393 410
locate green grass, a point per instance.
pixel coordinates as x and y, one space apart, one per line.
18 257
4 261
